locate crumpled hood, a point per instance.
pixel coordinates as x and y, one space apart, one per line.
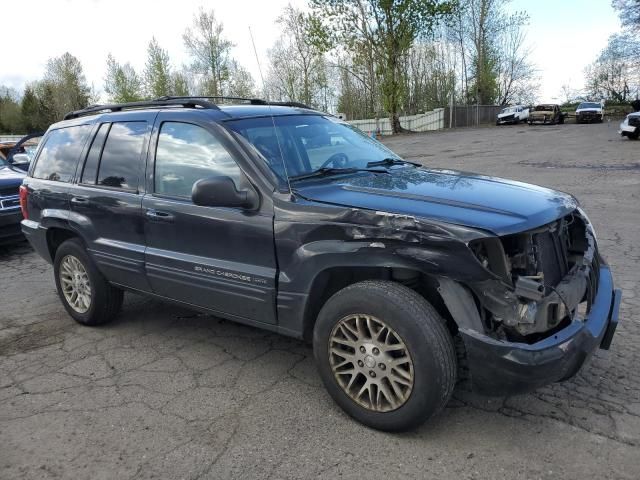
488 203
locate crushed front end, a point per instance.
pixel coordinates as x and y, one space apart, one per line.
549 305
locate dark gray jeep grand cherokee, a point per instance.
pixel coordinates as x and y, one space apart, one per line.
285 218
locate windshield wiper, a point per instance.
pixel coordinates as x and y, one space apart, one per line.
327 171
388 162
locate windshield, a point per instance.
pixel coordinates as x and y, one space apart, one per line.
508 110
588 105
543 108
309 143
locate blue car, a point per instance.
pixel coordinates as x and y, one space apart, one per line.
10 215
15 158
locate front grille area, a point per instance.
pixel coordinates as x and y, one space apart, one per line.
9 191
552 249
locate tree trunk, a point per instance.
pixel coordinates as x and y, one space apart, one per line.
395 124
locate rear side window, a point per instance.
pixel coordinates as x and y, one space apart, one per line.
121 156
59 155
185 154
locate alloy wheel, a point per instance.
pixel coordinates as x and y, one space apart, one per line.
371 363
75 284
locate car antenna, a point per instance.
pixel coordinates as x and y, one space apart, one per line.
265 93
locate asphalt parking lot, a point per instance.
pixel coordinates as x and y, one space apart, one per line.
167 393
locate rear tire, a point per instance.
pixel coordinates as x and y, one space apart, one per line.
86 295
373 333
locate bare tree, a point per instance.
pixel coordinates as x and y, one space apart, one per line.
297 69
611 76
517 77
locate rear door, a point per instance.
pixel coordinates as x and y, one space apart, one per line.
106 202
221 259
50 178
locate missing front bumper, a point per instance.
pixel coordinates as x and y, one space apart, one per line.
506 368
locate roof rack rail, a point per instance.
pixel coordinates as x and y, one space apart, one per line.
186 102
252 101
249 100
290 104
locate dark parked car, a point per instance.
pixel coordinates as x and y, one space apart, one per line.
288 219
10 180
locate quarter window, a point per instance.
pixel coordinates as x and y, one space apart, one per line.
121 157
90 171
187 153
59 155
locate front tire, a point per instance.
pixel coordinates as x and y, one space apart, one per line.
83 290
385 355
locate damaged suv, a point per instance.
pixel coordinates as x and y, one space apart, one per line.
288 219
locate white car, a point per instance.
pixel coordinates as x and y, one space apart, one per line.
588 112
514 114
630 127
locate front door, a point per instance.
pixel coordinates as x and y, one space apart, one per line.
222 259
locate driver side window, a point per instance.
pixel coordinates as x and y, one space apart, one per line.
187 153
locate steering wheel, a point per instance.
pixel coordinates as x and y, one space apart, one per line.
337 160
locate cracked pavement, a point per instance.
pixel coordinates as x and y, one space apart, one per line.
163 392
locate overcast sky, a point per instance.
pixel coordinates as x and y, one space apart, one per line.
565 35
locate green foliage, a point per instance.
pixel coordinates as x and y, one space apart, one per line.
629 12
62 89
157 72
387 30
10 112
241 82
180 84
122 83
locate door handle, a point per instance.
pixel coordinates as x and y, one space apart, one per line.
79 199
159 216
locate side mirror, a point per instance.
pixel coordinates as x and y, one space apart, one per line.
20 158
221 192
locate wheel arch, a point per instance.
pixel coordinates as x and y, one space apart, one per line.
57 235
332 279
